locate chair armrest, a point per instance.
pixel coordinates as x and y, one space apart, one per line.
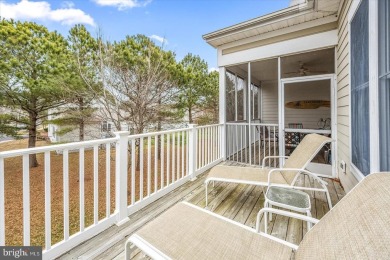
272 156
283 213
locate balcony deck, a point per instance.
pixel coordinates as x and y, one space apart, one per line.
238 202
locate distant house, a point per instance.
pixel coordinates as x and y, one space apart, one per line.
322 65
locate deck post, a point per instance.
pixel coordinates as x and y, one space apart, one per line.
222 110
192 154
121 177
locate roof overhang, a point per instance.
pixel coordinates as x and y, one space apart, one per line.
309 10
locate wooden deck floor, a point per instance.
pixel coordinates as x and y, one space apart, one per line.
235 201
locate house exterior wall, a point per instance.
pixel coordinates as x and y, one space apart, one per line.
347 179
270 104
91 131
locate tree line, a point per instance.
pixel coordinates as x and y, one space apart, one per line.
75 78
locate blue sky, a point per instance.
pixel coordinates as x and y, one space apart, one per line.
180 22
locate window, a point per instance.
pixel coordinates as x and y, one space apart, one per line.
106 126
384 83
360 119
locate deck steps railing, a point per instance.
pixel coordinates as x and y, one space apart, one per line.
128 172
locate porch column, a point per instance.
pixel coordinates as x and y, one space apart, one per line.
249 117
280 112
222 110
121 164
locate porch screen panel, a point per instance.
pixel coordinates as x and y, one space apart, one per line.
241 97
230 96
384 84
255 103
360 120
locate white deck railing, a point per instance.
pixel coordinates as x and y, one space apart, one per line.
147 166
251 143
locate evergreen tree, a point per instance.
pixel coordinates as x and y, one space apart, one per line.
33 71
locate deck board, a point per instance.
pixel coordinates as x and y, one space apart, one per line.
235 201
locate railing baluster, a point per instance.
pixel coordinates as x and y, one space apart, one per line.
132 171
198 156
218 141
188 152
204 138
141 168
81 182
168 157
155 162
95 184
211 143
242 143
264 141
162 161
274 139
215 143
254 143
173 158
183 133
178 157
259 152
2 204
108 179
269 143
208 145
149 163
246 142
26 200
65 168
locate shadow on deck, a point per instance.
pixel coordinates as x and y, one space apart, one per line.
235 201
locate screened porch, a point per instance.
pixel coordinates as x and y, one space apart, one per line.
270 105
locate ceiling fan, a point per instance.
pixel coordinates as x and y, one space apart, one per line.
305 71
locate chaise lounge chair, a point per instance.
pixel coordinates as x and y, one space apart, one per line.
358 227
284 176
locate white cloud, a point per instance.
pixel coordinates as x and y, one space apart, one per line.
67 4
123 4
26 10
213 69
159 39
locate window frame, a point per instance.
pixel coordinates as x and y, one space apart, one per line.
378 77
373 46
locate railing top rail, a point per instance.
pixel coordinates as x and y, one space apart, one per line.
308 131
205 126
253 124
158 133
49 148
264 124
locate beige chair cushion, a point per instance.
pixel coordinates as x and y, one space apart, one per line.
184 232
307 149
358 227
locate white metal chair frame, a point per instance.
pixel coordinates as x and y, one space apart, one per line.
292 185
